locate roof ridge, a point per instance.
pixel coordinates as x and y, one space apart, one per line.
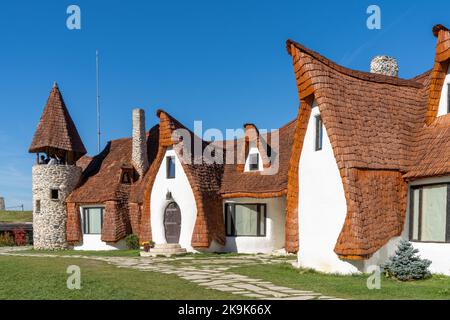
362 75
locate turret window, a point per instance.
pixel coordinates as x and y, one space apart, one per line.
37 207
54 194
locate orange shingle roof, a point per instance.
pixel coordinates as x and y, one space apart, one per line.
56 128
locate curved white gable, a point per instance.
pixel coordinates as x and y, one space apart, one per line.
322 206
182 194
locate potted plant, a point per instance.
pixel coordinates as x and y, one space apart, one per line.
146 246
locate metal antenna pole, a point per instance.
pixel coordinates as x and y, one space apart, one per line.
98 102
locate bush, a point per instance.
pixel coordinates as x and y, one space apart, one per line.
132 242
6 240
20 237
406 265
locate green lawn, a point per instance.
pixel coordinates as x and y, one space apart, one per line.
16 216
106 253
45 278
349 287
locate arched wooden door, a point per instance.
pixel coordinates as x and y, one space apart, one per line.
172 223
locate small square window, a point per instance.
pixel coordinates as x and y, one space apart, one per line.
54 194
170 167
37 206
253 162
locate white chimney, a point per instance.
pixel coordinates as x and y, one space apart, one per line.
139 148
384 65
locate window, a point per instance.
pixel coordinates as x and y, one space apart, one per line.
126 179
247 220
38 206
319 133
170 167
253 162
448 97
430 214
54 194
92 220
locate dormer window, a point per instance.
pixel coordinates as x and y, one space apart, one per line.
253 162
319 133
127 176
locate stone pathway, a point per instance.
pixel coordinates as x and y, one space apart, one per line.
208 272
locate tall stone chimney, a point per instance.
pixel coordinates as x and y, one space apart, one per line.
384 65
139 148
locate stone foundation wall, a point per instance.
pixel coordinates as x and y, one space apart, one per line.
49 221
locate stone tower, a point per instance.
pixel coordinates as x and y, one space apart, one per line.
57 137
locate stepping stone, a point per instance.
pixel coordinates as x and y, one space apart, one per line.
295 298
226 289
253 295
220 282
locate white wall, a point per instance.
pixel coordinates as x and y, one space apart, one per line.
275 234
182 194
94 241
442 110
322 206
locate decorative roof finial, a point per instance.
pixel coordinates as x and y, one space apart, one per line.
55 85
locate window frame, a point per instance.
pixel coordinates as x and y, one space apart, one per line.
52 190
251 165
318 133
260 233
84 220
168 160
420 213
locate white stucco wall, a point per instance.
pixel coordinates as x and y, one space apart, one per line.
275 222
322 206
182 194
442 110
94 242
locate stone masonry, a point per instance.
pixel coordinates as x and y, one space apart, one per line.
2 203
384 65
139 148
49 215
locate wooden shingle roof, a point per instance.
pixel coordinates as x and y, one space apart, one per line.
56 128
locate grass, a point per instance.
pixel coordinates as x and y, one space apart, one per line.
16 216
107 253
37 278
349 287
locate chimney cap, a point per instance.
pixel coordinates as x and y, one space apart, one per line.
384 65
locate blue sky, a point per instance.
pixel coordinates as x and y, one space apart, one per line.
222 62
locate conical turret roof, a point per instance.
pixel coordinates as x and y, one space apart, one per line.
56 129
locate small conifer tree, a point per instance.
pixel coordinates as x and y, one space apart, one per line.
406 265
